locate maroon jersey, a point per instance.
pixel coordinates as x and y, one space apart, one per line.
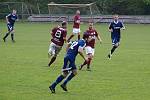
92 33
76 18
58 35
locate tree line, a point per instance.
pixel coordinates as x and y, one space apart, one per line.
122 7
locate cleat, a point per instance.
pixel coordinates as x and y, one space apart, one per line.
48 65
109 56
88 69
63 87
4 39
52 89
80 67
13 41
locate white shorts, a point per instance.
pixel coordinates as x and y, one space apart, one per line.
89 49
76 30
54 49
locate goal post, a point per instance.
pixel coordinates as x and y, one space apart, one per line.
88 11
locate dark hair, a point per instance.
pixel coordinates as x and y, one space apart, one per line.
63 23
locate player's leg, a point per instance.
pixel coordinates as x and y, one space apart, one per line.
115 43
74 32
60 77
71 75
53 52
78 34
12 35
90 57
71 36
9 31
90 53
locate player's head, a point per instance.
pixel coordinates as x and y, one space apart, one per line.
64 24
14 11
86 37
78 12
90 25
115 17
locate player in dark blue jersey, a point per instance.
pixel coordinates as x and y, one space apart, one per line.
69 69
115 29
10 19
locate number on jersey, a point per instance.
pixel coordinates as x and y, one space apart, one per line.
73 45
58 34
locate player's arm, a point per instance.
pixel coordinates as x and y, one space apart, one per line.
7 20
80 51
68 45
122 26
65 37
98 37
17 18
110 28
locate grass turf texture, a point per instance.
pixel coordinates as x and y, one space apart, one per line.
24 75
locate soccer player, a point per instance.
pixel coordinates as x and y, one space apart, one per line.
69 69
90 45
57 41
115 28
76 26
10 19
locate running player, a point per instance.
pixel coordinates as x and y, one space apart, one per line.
69 69
57 41
115 29
90 45
76 26
10 19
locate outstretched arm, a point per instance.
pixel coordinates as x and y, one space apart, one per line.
80 51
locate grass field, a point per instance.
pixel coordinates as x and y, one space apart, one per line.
24 75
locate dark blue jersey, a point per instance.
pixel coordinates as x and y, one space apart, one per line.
116 26
11 18
73 49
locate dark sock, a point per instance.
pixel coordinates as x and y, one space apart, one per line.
52 60
12 37
70 38
6 35
89 62
83 64
68 78
58 80
78 36
113 49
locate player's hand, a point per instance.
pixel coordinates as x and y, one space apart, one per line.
110 30
8 22
100 41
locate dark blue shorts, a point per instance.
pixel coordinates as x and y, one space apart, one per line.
115 40
69 64
10 27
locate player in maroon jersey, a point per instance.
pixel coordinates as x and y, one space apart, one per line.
90 45
76 26
58 38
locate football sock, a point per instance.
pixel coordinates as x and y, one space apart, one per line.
89 62
58 80
70 38
113 49
12 36
68 78
83 64
78 36
52 60
6 35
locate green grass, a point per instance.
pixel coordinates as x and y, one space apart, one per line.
24 75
